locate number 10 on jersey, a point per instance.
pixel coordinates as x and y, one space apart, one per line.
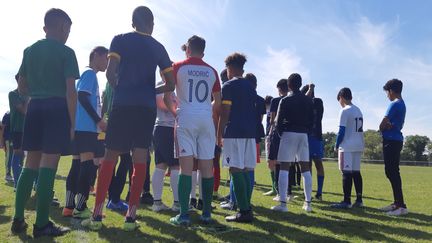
198 90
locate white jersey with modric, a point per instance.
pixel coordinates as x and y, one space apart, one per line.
195 83
352 119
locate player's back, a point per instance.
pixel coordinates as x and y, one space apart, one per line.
353 139
295 113
195 83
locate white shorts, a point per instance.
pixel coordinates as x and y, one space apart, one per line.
239 153
293 147
349 161
194 136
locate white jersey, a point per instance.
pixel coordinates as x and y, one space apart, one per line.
195 83
352 119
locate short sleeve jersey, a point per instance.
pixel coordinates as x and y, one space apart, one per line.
351 118
88 83
165 118
195 83
139 55
260 110
396 114
46 66
16 117
295 113
6 126
275 104
240 94
318 111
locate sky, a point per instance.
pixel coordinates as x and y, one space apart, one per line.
332 43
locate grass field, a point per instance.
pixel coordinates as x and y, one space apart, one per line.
323 224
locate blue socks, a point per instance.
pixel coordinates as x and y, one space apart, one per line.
320 182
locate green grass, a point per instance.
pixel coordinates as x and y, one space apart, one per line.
323 224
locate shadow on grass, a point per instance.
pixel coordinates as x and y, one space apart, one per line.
4 219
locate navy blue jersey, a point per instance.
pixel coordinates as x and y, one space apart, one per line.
242 122
260 111
318 111
6 126
139 55
295 113
275 104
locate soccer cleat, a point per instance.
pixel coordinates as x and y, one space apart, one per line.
276 198
175 207
49 229
318 197
280 208
193 203
84 214
358 204
269 193
341 205
55 202
92 224
206 219
18 226
130 224
67 212
146 198
389 208
307 207
9 178
241 217
120 206
229 206
199 205
398 212
182 220
159 206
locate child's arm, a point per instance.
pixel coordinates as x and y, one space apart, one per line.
71 99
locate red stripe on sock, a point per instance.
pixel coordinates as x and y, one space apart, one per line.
103 181
138 178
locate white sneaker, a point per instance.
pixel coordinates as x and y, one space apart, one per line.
398 212
156 207
277 198
175 207
307 207
280 208
227 205
291 198
388 208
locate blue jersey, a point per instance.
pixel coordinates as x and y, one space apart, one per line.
396 114
139 55
87 83
242 122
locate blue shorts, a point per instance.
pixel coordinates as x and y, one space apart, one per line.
316 148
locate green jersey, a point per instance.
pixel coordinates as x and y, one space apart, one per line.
45 66
16 116
107 99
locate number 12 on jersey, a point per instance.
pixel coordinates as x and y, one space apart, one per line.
359 124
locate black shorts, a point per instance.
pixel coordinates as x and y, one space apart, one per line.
163 141
274 146
130 127
47 126
17 140
85 142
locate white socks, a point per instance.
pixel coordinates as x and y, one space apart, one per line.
307 185
283 185
174 184
194 184
199 184
157 183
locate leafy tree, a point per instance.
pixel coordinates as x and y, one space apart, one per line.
373 145
414 147
429 150
329 139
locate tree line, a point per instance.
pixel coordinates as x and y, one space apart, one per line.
416 147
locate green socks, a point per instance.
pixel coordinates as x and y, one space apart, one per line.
45 195
240 189
184 189
207 191
23 190
249 187
273 179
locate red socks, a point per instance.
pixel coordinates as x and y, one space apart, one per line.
103 181
138 178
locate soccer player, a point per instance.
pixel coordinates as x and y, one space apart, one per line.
17 107
274 138
163 142
390 128
85 145
47 73
132 61
237 127
315 139
196 82
350 146
7 146
293 122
